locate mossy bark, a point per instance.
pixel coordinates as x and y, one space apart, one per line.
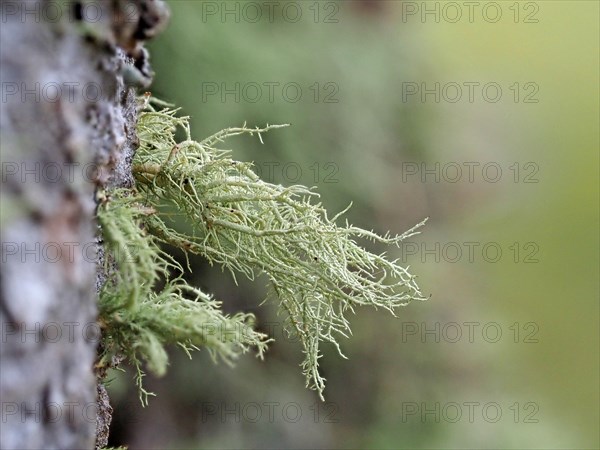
67 128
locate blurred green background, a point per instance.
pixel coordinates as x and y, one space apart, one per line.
358 136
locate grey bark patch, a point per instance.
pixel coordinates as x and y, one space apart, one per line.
103 417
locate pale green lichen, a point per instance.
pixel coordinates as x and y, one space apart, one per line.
316 268
139 318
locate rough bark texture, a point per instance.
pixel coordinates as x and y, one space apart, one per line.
67 128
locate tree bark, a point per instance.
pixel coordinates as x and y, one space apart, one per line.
68 71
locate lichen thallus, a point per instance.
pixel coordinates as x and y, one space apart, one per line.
192 196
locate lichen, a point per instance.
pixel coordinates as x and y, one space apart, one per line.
317 269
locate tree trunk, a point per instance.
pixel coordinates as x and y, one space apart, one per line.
67 128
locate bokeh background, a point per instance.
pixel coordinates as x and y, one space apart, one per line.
440 375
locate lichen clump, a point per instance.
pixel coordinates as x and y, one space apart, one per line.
316 267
